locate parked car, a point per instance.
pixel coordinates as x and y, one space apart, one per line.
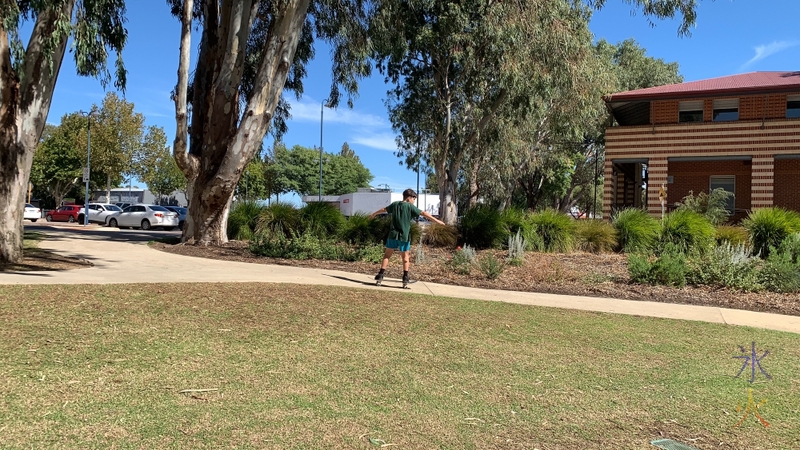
144 216
181 211
31 213
122 205
98 212
66 213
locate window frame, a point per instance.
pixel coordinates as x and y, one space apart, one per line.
723 108
794 111
691 110
731 200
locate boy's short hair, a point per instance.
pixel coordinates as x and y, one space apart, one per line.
409 193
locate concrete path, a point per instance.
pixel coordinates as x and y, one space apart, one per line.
120 259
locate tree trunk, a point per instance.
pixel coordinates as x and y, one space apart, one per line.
24 105
223 137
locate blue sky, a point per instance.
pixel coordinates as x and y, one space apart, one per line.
730 37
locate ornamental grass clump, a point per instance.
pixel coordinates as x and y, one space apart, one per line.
321 219
440 235
733 235
242 220
636 230
768 227
279 217
359 229
595 236
688 231
556 230
482 227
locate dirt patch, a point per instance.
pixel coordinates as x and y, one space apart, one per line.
585 274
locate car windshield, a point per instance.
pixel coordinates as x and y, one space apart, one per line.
159 208
112 208
179 210
28 205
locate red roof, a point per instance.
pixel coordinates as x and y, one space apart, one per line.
753 82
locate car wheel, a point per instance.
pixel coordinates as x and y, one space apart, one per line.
34 220
71 219
113 223
169 228
145 224
80 218
49 218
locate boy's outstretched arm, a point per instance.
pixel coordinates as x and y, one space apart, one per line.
380 211
428 216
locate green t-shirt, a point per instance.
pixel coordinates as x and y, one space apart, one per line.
402 215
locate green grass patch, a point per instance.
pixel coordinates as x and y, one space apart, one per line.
297 367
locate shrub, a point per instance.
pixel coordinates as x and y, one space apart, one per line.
636 230
791 247
268 243
768 227
279 217
516 249
419 256
481 227
711 206
595 236
242 220
372 253
732 266
514 221
557 231
321 219
462 260
440 235
731 235
779 274
359 229
639 268
490 266
687 231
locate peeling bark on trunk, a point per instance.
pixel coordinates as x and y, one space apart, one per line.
24 105
222 140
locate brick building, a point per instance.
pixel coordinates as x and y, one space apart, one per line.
740 133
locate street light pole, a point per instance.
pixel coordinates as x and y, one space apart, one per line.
87 173
321 121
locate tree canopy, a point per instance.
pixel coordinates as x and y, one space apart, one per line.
298 171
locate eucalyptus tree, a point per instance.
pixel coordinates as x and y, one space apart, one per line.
249 52
28 73
464 69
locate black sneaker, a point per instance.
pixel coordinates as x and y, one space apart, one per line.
379 277
405 281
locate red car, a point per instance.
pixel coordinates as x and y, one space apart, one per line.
66 213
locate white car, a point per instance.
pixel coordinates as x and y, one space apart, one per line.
98 212
32 213
144 217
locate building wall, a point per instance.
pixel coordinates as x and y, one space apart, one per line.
695 177
787 183
751 107
758 140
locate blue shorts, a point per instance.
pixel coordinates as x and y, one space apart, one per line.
400 246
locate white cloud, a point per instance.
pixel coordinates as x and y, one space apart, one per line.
764 51
310 112
380 141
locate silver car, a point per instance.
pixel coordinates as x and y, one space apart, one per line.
99 212
144 217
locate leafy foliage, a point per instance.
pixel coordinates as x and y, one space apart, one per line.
636 230
59 158
243 220
768 227
463 260
557 231
298 171
595 236
482 227
668 269
712 206
687 231
729 265
359 229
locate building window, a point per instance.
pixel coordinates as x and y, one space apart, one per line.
690 111
728 184
792 106
726 109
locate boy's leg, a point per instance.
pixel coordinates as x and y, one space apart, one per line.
406 266
387 253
